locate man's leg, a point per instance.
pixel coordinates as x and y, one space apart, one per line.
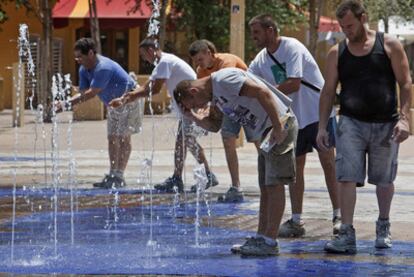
113 150
345 241
175 183
275 203
384 198
347 201
327 160
229 144
294 227
124 152
261 229
180 152
296 190
383 234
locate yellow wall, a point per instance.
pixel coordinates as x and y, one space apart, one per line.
9 55
8 46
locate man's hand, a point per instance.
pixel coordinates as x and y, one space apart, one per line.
61 105
117 102
278 135
322 140
401 130
120 101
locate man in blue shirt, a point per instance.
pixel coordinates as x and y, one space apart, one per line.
99 75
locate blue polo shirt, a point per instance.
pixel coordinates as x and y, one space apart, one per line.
108 76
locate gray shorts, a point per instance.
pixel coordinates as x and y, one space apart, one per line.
355 141
231 128
278 166
125 120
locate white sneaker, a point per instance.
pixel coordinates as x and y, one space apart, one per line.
383 239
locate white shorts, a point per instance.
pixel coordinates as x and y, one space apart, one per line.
125 120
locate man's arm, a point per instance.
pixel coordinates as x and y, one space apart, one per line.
290 85
84 95
266 100
140 92
327 97
212 122
399 63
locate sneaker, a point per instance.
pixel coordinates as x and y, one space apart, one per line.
120 182
233 195
344 242
171 185
336 222
236 248
291 229
383 239
110 182
259 247
211 182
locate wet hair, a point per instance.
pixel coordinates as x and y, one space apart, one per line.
84 45
265 21
181 91
149 43
201 45
355 6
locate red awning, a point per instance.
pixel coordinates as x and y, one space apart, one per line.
113 14
327 24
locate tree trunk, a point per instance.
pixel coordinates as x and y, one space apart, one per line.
163 21
315 9
45 91
94 24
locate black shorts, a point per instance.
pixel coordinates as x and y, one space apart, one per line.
306 140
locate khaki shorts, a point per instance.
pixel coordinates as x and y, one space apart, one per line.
125 120
278 166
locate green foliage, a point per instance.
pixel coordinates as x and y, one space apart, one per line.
210 19
18 4
383 9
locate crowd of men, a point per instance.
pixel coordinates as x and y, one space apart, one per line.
285 106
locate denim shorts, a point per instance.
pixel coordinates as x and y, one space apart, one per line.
359 142
125 120
307 137
278 166
231 129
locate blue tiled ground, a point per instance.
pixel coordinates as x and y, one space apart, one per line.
103 246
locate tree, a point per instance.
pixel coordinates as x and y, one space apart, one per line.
210 19
94 25
315 10
383 9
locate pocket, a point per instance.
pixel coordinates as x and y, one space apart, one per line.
394 169
338 165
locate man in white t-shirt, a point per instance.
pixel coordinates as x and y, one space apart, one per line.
171 70
265 112
288 65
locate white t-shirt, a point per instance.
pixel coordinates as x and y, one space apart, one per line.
298 63
247 111
173 70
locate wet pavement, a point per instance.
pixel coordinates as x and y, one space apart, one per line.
114 232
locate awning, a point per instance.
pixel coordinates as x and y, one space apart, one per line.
328 24
112 14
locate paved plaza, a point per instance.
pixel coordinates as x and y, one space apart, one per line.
25 159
